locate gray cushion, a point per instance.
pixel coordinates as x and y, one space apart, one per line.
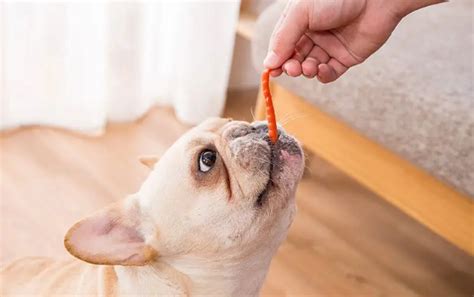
414 96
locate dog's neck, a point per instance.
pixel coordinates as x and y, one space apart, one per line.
225 277
194 276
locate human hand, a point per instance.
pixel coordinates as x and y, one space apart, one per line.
324 38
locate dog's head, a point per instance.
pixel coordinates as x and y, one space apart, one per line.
221 189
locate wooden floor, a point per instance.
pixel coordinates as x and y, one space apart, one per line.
345 241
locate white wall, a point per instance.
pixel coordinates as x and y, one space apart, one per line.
243 74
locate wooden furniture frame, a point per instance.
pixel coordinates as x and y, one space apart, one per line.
431 202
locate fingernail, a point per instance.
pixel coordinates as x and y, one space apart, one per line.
272 60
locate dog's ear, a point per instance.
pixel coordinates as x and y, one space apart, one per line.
110 237
148 160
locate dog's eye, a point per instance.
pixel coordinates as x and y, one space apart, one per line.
207 159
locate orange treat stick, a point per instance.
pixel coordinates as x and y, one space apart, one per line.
271 119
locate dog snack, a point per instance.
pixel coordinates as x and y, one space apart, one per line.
271 119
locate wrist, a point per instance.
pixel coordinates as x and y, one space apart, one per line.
405 7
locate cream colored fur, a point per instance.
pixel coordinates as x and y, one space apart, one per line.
185 232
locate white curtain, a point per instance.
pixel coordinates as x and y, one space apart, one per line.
79 64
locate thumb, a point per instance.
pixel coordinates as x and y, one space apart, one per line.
292 24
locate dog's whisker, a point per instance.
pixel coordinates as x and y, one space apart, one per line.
253 114
292 115
296 117
289 115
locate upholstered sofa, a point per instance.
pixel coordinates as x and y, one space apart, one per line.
402 123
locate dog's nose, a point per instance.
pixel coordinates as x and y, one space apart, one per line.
237 131
261 127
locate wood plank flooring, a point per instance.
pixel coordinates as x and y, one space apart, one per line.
345 241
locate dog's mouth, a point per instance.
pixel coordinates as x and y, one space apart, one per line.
282 155
263 196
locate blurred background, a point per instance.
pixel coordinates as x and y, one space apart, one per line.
386 203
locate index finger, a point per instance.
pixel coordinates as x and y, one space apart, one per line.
292 24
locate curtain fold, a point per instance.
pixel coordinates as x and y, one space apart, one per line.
78 65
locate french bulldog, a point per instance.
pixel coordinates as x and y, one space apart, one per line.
206 222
